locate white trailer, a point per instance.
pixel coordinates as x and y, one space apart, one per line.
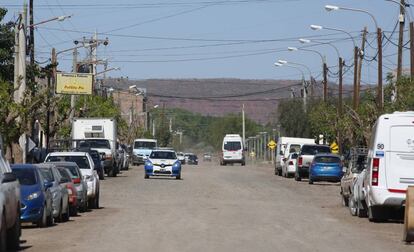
282 151
99 129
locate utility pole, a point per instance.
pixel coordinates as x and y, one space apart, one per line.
72 97
380 92
412 49
359 72
325 82
243 127
356 96
400 42
31 42
304 95
341 63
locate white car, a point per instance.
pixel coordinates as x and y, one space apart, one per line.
9 207
389 165
232 150
289 165
87 168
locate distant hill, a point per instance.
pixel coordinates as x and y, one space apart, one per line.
217 97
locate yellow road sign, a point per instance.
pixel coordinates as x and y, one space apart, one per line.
271 145
334 148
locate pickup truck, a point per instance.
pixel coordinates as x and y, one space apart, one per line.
10 208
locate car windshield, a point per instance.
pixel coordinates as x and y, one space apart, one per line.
144 145
327 159
163 155
25 176
294 148
73 172
47 174
81 161
232 146
94 143
314 149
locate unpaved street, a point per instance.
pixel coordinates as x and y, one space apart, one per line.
215 208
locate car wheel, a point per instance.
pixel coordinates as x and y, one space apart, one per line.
243 163
13 235
84 206
50 220
345 200
3 235
91 203
42 222
66 215
310 181
97 201
352 205
59 218
146 176
111 172
275 171
297 177
178 176
375 214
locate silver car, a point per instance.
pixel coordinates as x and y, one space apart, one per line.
60 196
80 183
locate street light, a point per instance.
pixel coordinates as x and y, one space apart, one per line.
380 92
59 18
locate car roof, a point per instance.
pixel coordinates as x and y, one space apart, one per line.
64 163
327 155
68 153
23 166
161 150
46 165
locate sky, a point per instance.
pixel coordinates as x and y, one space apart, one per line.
215 38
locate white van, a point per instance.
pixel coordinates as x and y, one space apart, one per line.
232 150
286 146
390 168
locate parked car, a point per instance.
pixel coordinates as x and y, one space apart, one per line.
355 163
306 155
125 157
142 149
70 186
181 157
282 148
326 167
97 161
36 199
193 159
356 202
289 165
10 207
60 195
390 165
163 163
207 157
87 168
80 183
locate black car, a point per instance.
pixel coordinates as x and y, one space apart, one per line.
192 159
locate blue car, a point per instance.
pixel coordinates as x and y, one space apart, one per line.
163 163
36 199
326 167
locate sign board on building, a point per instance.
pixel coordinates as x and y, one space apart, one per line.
74 83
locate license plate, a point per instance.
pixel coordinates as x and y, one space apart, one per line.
162 170
326 168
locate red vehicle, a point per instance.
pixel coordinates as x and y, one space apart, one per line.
70 186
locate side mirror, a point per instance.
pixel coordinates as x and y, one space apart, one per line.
145 158
281 153
63 180
9 177
295 156
284 159
48 184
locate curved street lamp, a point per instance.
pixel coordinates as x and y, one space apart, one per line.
380 92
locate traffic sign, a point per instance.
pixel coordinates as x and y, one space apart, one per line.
334 148
271 145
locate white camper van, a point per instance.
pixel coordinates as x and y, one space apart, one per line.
390 164
232 150
286 146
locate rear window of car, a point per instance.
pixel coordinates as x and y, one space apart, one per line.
25 176
81 161
47 174
64 173
73 171
163 155
314 149
232 146
327 159
294 148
